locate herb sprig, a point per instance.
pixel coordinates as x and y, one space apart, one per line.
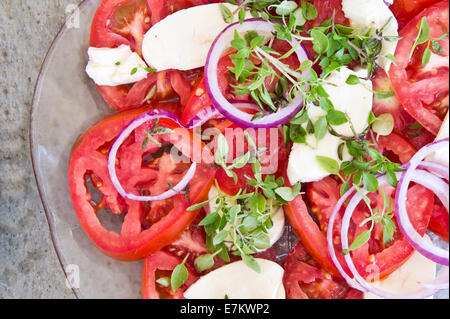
384 217
240 223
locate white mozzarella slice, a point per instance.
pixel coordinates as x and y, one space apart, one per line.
441 156
373 14
354 100
238 281
182 40
115 66
405 279
303 165
278 218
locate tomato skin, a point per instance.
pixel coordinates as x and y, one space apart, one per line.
309 233
403 122
422 90
305 279
133 243
398 145
405 10
163 261
323 196
273 160
118 22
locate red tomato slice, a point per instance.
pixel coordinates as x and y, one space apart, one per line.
439 223
304 278
323 196
272 159
147 227
404 124
118 22
405 10
395 147
162 263
158 265
423 89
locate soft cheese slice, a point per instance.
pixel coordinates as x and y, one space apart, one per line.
115 66
354 100
182 40
238 281
373 14
405 279
278 217
441 156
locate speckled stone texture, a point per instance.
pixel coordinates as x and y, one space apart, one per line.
29 267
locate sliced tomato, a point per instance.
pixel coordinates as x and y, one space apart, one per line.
272 159
323 196
159 265
199 98
404 124
439 223
304 278
147 226
395 147
423 89
162 263
405 10
118 22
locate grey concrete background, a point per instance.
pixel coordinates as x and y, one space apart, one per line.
29 267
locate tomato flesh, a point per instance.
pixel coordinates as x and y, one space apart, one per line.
304 278
147 227
423 89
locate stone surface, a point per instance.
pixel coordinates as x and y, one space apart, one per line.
29 267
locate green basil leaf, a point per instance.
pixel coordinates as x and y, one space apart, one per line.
352 80
335 117
251 262
328 164
204 262
227 15
179 275
320 128
309 11
359 241
286 7
370 182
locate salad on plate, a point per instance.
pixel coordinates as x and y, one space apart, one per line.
239 121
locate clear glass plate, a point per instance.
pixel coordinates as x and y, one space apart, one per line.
66 103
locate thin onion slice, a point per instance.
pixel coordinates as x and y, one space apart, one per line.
151 115
230 111
426 179
435 168
429 289
437 254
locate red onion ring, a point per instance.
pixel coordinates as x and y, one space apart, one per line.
243 119
441 282
154 114
435 168
427 249
426 179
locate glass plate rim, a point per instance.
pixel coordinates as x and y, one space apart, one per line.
36 92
